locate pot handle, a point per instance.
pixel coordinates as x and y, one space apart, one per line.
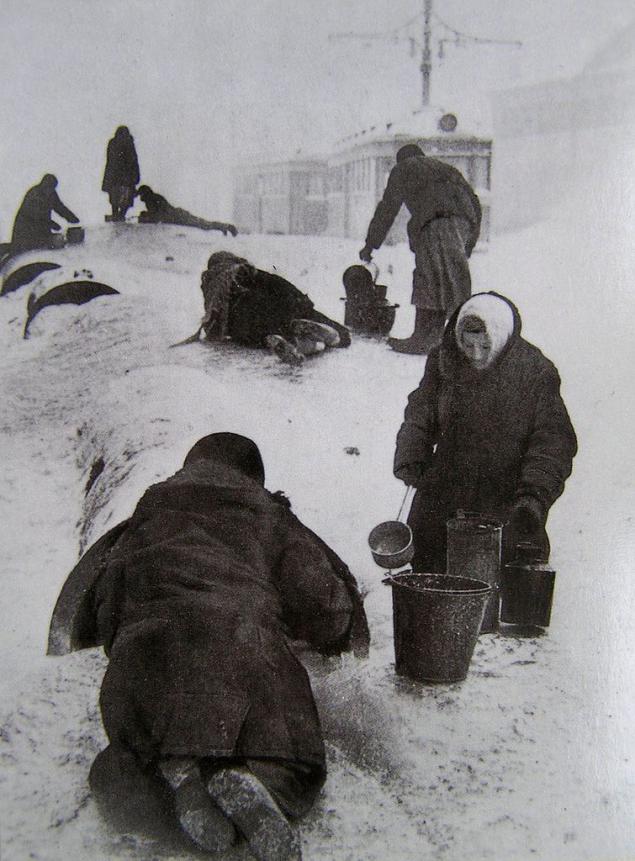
373 268
406 503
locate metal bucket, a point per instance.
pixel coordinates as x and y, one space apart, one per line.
75 235
474 550
527 589
436 621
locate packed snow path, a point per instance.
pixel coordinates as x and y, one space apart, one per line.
528 758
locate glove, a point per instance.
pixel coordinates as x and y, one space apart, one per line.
527 516
54 226
413 474
366 254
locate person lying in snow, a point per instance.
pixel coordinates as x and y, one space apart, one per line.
159 211
257 309
195 599
486 431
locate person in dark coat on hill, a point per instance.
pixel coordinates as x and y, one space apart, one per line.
197 599
121 175
257 309
33 226
443 229
159 211
486 431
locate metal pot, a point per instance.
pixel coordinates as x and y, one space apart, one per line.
391 542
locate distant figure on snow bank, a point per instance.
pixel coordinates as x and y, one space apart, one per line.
196 599
33 226
159 211
486 431
121 175
257 309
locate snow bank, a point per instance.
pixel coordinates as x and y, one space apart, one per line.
528 757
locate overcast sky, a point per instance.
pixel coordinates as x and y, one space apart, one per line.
203 84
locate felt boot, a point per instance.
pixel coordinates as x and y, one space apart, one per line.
199 817
247 802
427 333
315 331
284 350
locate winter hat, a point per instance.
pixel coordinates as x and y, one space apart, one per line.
231 449
408 151
496 315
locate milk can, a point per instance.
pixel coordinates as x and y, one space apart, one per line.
474 550
527 588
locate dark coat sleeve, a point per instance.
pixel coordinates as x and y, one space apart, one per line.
386 211
419 432
74 623
61 209
321 602
552 444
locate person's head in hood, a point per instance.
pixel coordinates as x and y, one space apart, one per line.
49 182
409 151
484 325
230 449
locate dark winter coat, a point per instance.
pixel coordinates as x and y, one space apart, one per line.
442 231
33 226
199 595
479 441
158 210
430 189
122 165
248 303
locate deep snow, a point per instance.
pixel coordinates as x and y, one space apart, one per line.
530 756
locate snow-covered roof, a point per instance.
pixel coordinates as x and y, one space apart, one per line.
429 122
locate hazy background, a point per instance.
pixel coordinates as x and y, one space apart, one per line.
204 84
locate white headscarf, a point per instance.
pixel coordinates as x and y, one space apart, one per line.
497 317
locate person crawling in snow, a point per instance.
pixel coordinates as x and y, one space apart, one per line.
196 599
486 431
257 309
159 211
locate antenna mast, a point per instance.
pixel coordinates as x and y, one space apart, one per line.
426 57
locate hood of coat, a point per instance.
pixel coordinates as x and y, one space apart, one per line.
230 450
502 324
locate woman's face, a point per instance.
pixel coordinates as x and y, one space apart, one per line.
477 347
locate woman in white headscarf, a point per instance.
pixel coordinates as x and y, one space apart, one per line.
486 431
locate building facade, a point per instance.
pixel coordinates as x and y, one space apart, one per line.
337 195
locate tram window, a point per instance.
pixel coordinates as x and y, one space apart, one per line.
479 174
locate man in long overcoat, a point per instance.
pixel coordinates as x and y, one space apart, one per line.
486 431
443 229
33 226
196 599
121 174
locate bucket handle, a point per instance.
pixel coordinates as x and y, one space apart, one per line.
373 268
406 504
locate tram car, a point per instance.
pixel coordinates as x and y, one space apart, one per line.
337 195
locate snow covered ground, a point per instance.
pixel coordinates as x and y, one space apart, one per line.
531 756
